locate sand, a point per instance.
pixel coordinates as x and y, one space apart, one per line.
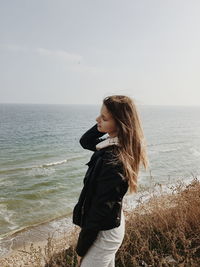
23 247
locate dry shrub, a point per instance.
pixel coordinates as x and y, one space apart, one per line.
165 231
65 257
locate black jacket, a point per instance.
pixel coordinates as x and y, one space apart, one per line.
100 202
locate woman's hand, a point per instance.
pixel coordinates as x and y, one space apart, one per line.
79 260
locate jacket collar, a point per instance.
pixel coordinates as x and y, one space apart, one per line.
102 147
109 141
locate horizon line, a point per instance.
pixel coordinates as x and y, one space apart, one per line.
89 104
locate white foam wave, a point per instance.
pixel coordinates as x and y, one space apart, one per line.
5 182
170 143
195 152
34 167
53 163
41 172
7 215
168 150
164 150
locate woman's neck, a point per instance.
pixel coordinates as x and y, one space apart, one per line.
112 135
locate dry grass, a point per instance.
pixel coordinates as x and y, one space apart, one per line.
163 232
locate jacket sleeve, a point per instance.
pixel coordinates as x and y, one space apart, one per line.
90 138
107 192
85 240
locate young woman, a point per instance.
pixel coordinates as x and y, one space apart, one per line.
112 171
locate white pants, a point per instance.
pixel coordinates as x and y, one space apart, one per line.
103 250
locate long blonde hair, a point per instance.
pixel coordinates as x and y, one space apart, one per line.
131 151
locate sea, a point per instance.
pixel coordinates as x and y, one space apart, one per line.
42 164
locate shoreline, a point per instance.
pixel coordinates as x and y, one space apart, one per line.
26 253
36 234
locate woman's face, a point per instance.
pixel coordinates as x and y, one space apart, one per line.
106 123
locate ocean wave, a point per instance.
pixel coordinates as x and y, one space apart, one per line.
163 150
171 143
42 166
46 165
168 150
8 216
195 152
53 163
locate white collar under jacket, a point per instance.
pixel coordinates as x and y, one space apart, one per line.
109 141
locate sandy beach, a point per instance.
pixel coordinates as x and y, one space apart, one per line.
30 252
39 236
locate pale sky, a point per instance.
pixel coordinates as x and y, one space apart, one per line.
79 51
